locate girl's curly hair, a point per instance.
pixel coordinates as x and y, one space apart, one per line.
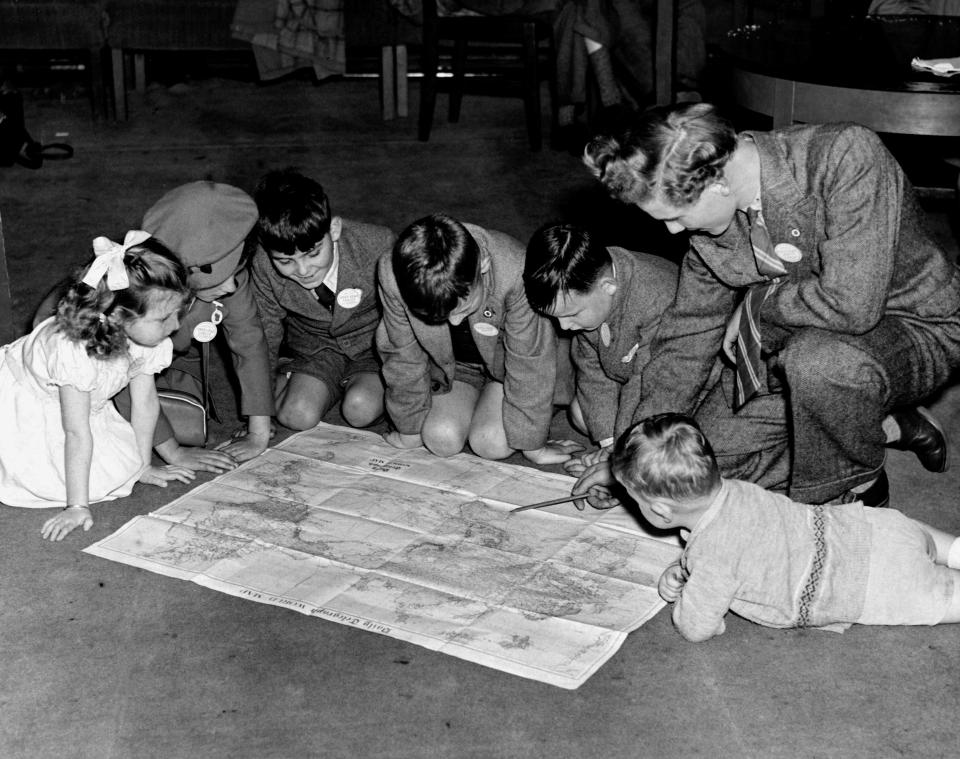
670 152
95 316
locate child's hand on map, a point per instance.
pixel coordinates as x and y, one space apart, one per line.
577 465
671 582
72 517
595 485
251 444
161 475
198 459
399 440
554 452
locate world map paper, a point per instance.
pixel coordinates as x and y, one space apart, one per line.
337 524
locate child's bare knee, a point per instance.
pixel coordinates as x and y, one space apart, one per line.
443 440
489 444
361 409
299 416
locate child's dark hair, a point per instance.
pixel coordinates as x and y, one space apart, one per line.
666 456
435 261
294 212
95 316
562 258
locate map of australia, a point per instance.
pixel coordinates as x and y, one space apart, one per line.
337 524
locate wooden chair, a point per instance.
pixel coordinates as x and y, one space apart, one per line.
135 27
377 24
524 43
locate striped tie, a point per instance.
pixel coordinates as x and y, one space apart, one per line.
749 377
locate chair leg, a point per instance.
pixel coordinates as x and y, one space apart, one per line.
119 84
98 92
388 106
665 47
400 60
531 86
140 72
459 68
428 88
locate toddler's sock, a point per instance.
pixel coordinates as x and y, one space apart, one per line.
953 555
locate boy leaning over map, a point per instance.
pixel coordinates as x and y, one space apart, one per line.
464 356
314 281
612 300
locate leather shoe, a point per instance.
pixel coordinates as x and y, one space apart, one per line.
922 434
876 496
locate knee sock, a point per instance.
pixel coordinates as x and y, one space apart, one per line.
602 68
953 555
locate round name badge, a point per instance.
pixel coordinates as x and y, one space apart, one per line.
485 329
350 297
204 332
787 252
605 334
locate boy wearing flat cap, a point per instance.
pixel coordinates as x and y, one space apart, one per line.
207 224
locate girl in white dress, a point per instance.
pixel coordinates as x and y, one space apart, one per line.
62 442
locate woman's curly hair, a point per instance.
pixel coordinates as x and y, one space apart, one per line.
668 152
95 316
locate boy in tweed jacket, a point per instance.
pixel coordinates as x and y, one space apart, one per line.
464 356
612 300
314 281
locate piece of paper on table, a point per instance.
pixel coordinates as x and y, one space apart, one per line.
937 66
337 524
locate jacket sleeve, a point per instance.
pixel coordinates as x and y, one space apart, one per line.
688 340
704 602
272 314
530 373
248 346
406 367
596 392
861 196
631 392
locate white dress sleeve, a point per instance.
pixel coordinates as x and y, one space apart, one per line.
66 362
153 360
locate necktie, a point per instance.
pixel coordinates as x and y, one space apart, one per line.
325 296
750 367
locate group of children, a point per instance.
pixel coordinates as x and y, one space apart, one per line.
458 334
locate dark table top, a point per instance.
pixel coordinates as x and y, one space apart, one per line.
867 52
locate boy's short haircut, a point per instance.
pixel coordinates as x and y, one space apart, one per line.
294 212
436 262
666 456
562 258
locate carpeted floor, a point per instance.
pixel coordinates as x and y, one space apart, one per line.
103 660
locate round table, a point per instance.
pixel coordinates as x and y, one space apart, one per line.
849 69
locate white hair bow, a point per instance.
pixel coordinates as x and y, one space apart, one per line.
109 260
